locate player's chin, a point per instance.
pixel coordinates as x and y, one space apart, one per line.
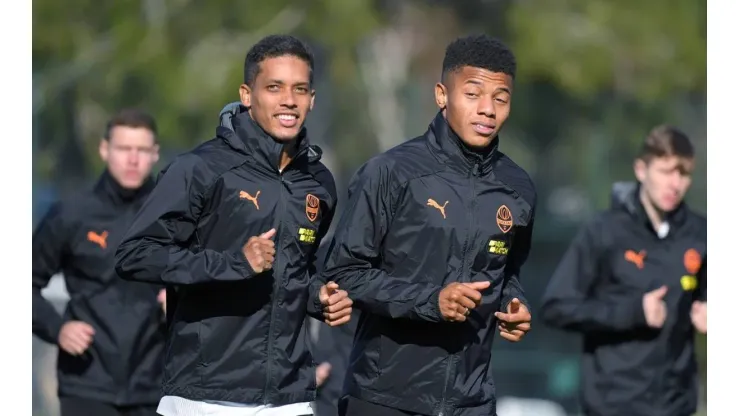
131 181
669 204
478 141
285 134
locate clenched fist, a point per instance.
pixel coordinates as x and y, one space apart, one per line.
75 337
260 251
337 304
162 299
516 322
457 299
699 316
323 371
654 307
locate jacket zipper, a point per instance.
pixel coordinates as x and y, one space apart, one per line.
465 276
275 288
276 272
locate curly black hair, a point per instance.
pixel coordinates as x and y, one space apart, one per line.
479 51
274 46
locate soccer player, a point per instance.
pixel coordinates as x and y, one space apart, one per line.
111 336
232 228
633 283
430 247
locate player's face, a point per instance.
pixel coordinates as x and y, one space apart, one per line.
665 180
476 103
281 96
130 153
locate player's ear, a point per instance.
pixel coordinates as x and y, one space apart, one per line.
440 95
640 167
104 149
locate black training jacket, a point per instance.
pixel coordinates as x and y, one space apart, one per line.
628 368
235 335
78 237
420 216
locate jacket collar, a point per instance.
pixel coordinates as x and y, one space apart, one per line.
625 196
450 148
109 188
243 134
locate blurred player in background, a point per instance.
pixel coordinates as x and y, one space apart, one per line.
633 283
111 336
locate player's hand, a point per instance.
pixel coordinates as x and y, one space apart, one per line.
323 371
457 299
699 316
337 304
516 322
654 307
76 337
260 251
162 300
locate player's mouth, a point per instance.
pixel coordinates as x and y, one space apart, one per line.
287 120
484 128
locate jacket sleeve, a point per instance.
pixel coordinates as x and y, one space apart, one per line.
519 254
314 308
570 302
156 248
354 259
49 248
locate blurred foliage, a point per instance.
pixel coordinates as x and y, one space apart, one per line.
585 67
641 49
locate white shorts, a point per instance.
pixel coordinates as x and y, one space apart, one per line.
179 406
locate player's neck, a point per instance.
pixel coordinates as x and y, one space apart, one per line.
656 216
287 154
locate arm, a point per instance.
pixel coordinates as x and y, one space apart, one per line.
519 254
314 308
49 242
569 301
354 259
156 247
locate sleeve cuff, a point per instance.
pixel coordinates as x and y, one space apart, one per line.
434 314
55 327
318 308
631 314
241 265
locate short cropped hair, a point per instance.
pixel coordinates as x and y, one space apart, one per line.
131 117
479 51
665 141
274 46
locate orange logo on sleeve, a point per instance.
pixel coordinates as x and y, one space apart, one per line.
250 198
99 239
441 208
312 207
638 259
503 219
692 261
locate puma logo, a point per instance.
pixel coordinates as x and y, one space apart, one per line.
432 203
253 199
99 239
637 258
